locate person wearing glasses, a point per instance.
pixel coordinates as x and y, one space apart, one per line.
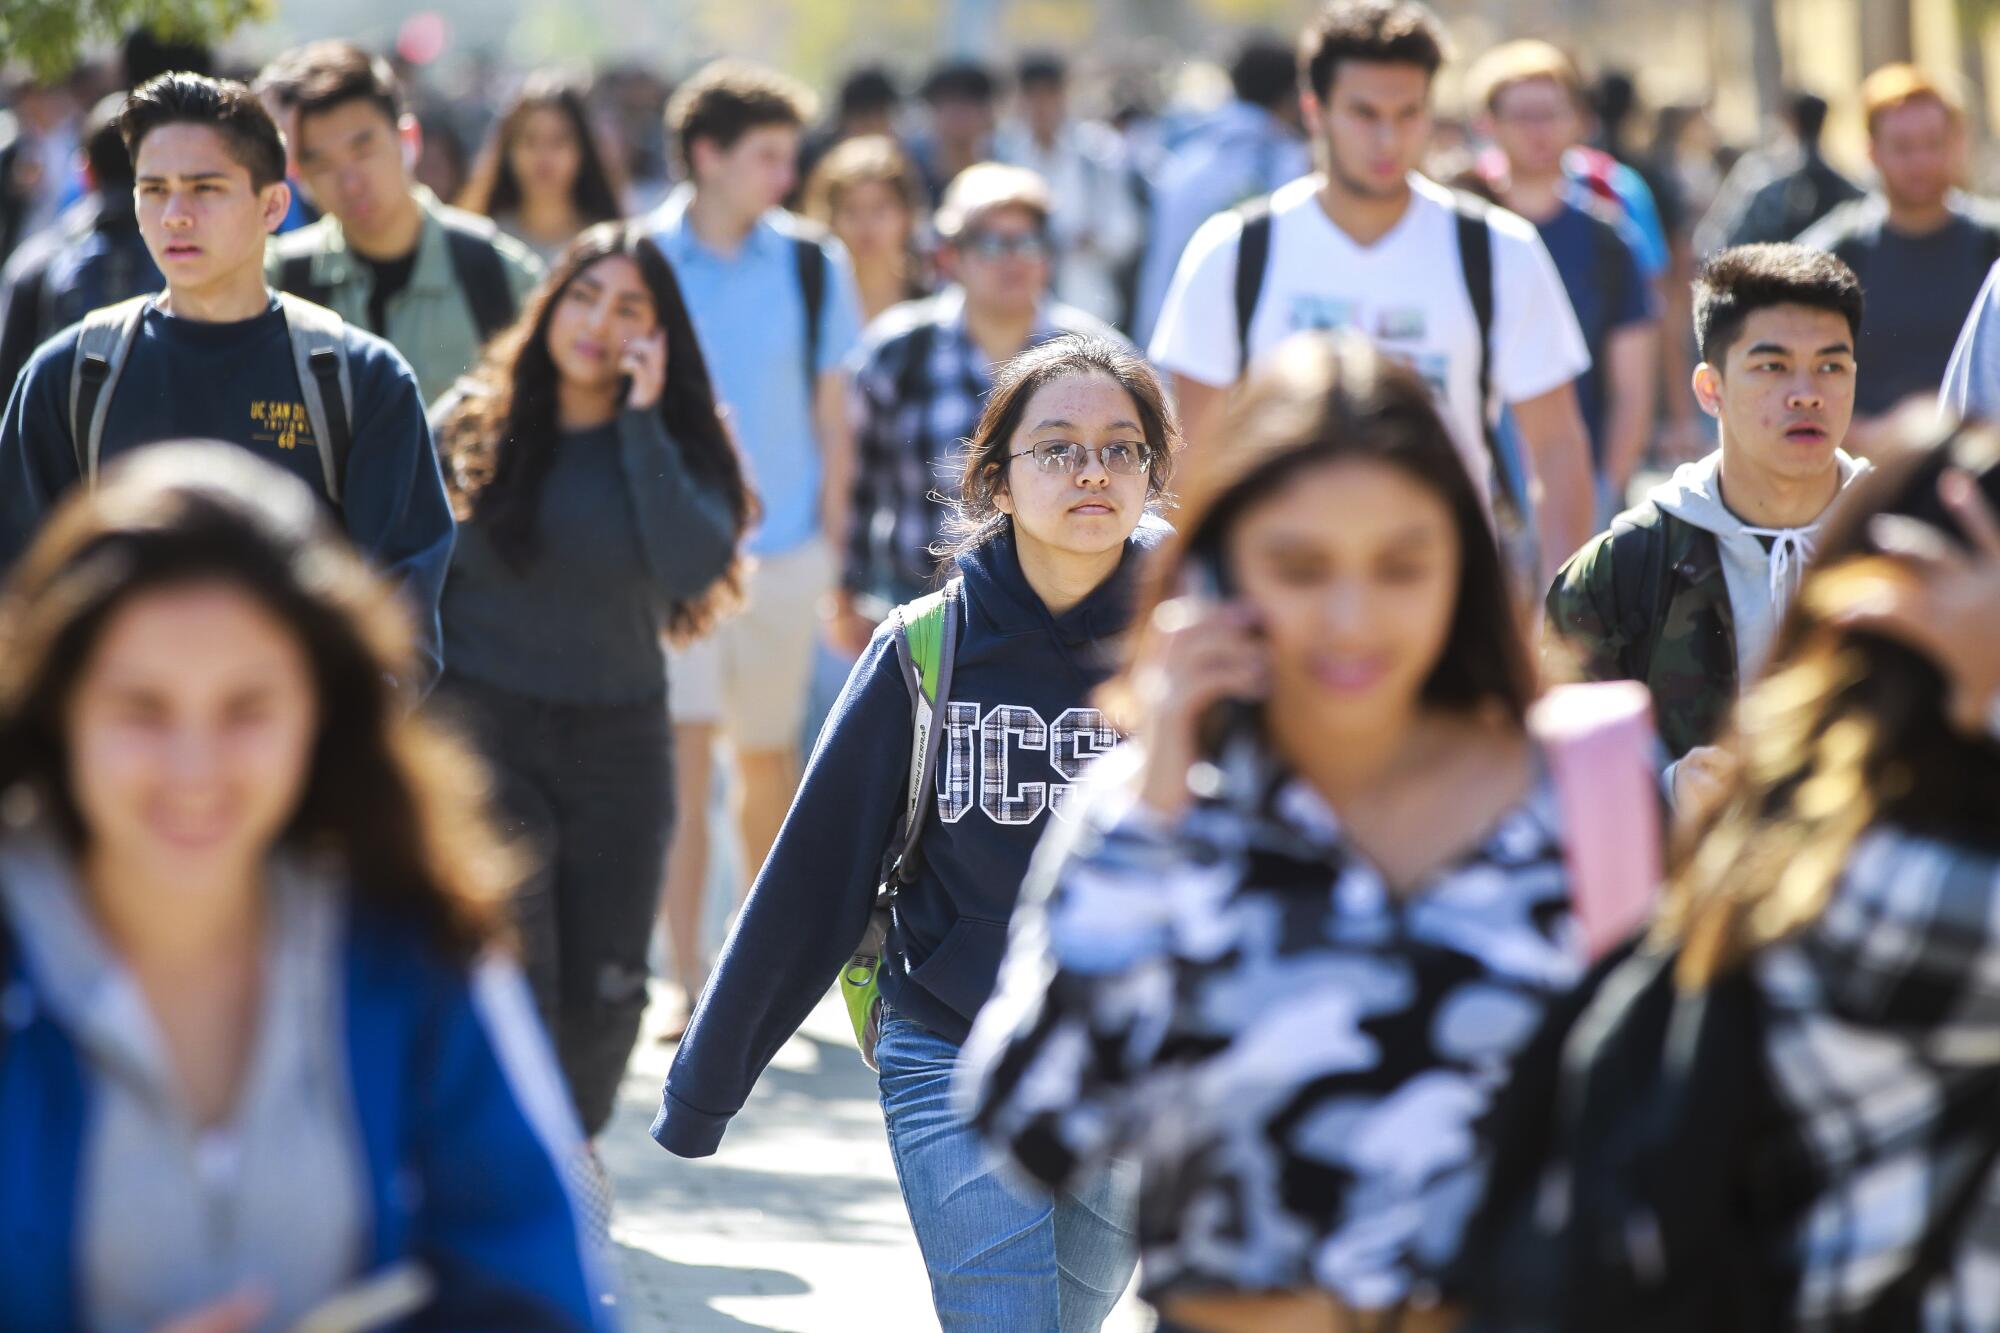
922 374
1072 452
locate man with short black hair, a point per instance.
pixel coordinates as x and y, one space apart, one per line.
963 98
93 256
217 356
1249 146
1684 591
1466 293
436 281
1094 222
1920 249
773 300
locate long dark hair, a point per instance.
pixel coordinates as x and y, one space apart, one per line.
1845 729
1331 399
499 439
494 188
399 803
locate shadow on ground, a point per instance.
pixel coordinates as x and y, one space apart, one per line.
645 1271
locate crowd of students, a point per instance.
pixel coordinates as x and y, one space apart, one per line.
385 580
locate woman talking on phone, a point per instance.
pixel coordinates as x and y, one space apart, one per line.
600 502
263 1052
1288 968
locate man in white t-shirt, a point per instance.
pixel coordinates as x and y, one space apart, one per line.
1371 244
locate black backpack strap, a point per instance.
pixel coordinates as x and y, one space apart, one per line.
811 262
1475 259
482 279
1253 257
1638 584
295 275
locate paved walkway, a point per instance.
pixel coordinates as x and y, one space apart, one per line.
794 1225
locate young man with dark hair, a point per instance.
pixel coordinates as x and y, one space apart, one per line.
1684 591
963 99
217 356
434 280
1249 146
774 303
1094 223
93 256
1920 249
1464 292
1531 101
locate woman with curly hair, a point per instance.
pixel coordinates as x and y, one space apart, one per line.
600 503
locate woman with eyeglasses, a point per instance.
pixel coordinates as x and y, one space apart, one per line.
1073 449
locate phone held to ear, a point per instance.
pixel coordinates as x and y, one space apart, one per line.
1230 734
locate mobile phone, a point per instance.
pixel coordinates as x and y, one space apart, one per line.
1231 730
382 1298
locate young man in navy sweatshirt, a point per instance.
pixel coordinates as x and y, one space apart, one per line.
213 356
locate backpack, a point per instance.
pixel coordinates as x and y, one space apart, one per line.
926 645
475 266
1475 261
811 263
319 352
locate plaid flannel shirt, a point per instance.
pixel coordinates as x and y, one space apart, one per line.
920 383
1884 1045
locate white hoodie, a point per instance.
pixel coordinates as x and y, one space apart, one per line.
1760 582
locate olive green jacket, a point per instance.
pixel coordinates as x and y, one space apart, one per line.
1646 600
429 321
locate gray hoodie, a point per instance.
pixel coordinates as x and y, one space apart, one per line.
1760 580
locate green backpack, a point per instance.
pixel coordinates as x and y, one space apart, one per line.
926 639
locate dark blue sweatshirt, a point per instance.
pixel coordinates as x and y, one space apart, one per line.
1019 733
236 382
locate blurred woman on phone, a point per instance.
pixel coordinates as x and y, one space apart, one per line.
1286 950
258 1037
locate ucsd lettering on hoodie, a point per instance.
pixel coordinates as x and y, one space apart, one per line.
1020 732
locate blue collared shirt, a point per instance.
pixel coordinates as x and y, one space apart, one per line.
750 315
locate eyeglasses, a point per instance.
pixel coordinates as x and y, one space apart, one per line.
1000 245
1060 456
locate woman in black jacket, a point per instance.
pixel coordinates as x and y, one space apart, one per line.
600 503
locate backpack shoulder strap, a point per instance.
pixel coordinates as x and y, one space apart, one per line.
926 646
295 275
811 262
482 278
1599 743
1253 257
1638 580
1475 260
319 352
102 346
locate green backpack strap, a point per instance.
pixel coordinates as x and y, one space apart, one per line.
926 644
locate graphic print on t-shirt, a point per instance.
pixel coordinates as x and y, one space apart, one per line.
284 424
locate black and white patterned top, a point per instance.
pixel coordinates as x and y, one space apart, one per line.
1298 1059
1883 1033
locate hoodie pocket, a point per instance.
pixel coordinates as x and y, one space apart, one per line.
966 961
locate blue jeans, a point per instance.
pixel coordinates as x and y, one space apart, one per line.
1001 1260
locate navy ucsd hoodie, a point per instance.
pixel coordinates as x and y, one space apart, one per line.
1019 733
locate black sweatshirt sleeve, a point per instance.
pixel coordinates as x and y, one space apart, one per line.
807 911
37 455
685 527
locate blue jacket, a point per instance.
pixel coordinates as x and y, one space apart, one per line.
237 382
460 1177
1018 733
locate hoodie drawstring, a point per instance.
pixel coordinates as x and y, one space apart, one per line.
1791 548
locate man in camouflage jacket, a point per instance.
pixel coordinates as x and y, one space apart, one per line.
1685 590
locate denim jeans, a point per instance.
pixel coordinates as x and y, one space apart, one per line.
1002 1258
